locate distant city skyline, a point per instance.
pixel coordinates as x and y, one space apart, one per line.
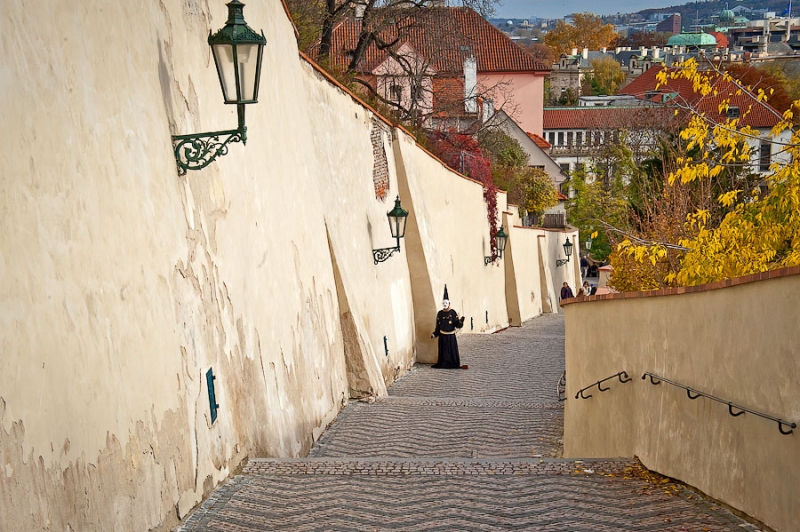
560 9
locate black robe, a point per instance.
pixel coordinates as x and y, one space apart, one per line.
447 321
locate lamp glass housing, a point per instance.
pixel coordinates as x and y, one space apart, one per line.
238 51
568 248
238 67
500 239
397 220
588 243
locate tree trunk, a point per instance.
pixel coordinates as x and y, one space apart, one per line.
327 29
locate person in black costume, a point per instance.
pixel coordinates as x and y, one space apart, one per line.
447 321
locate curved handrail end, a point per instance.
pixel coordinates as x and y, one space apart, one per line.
652 379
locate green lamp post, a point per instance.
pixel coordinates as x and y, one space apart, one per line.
500 239
237 51
397 225
567 251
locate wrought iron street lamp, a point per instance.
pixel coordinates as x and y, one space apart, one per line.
500 239
567 252
237 51
397 225
588 243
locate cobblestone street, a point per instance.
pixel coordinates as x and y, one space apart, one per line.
459 450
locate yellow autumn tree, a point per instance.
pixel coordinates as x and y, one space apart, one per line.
761 230
606 77
586 31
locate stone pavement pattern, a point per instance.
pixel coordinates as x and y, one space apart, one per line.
459 450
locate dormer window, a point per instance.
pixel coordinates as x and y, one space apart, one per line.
732 113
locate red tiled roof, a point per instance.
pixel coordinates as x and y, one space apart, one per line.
442 36
603 117
754 115
539 140
722 40
562 197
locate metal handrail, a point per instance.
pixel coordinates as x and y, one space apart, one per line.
561 387
619 375
731 406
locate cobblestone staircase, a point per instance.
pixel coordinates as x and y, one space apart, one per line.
459 450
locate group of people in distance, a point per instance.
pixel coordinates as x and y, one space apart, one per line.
585 290
448 321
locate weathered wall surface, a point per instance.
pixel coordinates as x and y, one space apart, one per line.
123 284
447 239
535 290
357 182
737 343
554 275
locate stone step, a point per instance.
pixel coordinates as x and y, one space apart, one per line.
378 466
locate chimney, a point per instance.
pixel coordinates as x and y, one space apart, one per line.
488 109
643 50
585 53
358 10
574 51
603 49
470 85
656 52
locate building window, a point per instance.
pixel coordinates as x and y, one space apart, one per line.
396 93
597 138
560 138
733 112
569 138
578 138
765 156
551 138
564 168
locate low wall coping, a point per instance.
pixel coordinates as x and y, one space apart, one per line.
752 278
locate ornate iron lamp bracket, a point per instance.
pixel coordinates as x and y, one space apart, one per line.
380 255
193 152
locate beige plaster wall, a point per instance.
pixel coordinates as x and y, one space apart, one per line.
447 239
379 296
553 251
522 256
737 343
123 283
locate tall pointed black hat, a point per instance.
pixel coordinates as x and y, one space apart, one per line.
445 294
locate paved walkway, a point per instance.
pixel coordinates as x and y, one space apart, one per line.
459 450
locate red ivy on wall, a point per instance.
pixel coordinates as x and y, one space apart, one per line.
463 154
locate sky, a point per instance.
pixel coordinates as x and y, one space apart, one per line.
562 8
